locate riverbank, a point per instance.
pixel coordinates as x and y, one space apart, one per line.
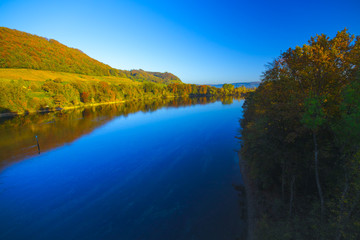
12 114
33 94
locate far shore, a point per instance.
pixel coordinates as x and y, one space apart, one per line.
12 114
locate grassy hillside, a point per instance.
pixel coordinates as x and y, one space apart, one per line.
23 50
7 74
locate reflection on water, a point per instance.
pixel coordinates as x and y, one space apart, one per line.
107 174
54 129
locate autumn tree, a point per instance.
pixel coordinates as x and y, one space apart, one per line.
295 124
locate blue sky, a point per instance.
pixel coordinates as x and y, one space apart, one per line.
199 41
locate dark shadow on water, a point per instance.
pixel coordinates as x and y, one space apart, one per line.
240 189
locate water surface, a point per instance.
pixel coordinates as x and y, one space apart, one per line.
120 174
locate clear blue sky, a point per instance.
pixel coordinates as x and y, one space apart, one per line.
199 41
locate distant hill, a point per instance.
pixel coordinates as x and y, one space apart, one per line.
23 50
158 77
240 84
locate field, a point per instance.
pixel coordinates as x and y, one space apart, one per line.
7 74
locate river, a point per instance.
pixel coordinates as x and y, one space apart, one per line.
142 170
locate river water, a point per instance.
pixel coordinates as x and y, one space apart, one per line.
146 170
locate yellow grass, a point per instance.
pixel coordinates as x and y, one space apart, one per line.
41 75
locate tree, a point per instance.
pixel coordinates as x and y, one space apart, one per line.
84 97
228 88
303 121
313 118
347 131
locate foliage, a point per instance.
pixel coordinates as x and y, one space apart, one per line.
300 139
313 116
13 96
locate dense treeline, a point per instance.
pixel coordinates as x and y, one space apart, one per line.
23 50
22 96
301 141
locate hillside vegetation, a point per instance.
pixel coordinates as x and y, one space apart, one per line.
301 141
23 50
38 74
27 90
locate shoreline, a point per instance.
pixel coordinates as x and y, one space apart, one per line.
250 198
13 114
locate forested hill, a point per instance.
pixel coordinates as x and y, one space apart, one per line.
158 77
23 50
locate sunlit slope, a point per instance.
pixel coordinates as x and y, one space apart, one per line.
23 50
27 51
42 75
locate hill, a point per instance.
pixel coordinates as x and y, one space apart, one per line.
38 74
23 50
